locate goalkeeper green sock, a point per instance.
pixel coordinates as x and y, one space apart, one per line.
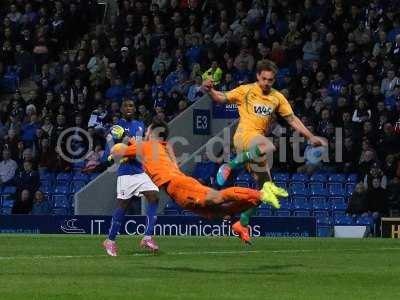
244 157
245 216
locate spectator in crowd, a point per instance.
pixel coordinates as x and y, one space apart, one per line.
23 204
40 205
7 168
358 201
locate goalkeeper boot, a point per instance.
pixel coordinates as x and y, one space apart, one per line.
111 247
268 197
223 174
149 244
242 232
278 191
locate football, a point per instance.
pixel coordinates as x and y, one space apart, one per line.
117 132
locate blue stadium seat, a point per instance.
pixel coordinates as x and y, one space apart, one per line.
9 190
337 178
62 189
321 213
6 206
350 186
46 176
80 177
262 212
352 178
61 201
298 191
316 185
171 208
300 203
282 213
77 166
46 189
320 203
281 177
63 178
297 185
318 191
188 213
324 227
318 177
301 213
61 210
338 213
336 189
77 185
282 184
343 220
299 177
367 221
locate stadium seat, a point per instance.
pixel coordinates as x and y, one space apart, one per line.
300 203
171 208
301 213
321 213
61 211
338 213
299 177
282 213
281 177
367 221
336 189
318 177
77 185
46 176
61 201
263 212
350 186
337 178
80 177
6 206
297 185
352 178
343 220
62 189
318 191
324 227
298 191
46 189
9 190
320 204
63 178
316 185
282 184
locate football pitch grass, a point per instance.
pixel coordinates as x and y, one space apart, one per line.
76 267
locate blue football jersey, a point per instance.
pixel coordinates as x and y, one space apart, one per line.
133 129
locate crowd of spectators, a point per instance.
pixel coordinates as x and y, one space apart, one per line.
339 68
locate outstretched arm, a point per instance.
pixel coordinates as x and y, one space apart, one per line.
217 96
297 125
121 150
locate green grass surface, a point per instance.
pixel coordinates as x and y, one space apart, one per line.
75 267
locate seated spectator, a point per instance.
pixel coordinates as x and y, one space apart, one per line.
93 160
377 200
361 113
46 155
23 204
195 90
40 205
358 200
26 178
7 168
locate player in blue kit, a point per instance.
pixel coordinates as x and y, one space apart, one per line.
132 182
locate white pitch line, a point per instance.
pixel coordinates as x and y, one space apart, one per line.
200 253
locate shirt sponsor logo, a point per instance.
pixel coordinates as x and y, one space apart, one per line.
263 110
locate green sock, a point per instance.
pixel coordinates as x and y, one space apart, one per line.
244 157
245 216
